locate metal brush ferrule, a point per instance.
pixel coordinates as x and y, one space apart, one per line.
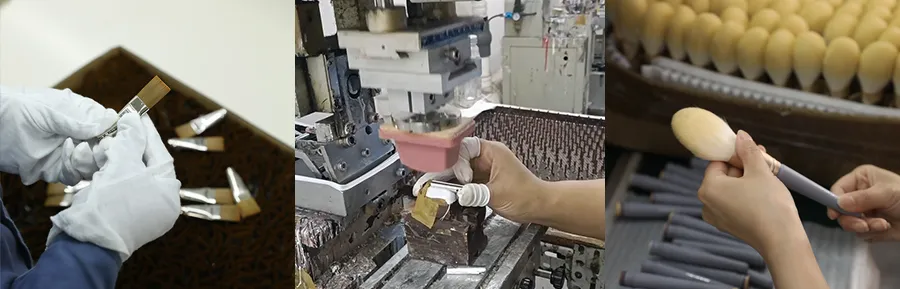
196 143
206 212
200 195
67 200
202 123
445 186
238 189
135 105
77 187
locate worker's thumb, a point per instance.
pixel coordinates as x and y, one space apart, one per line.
873 198
469 149
750 155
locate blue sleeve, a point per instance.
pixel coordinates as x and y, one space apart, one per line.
70 264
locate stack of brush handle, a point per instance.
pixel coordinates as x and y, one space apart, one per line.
842 48
691 253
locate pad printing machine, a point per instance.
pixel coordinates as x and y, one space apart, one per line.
376 104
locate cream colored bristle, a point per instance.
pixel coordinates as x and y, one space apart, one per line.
224 196
793 23
704 134
723 47
740 4
785 7
868 30
185 131
381 20
751 52
674 3
766 18
754 6
699 36
632 12
896 81
850 8
876 69
809 53
879 12
248 207
886 4
230 213
835 3
892 35
735 15
716 6
153 92
839 66
895 22
841 25
658 16
817 15
681 22
699 6
215 143
779 56
54 189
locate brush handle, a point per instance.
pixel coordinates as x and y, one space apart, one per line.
803 185
751 257
761 280
652 184
699 225
652 281
673 232
675 199
655 267
727 277
639 210
697 257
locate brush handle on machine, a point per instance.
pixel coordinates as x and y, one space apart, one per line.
652 281
803 185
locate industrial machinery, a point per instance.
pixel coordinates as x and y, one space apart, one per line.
379 102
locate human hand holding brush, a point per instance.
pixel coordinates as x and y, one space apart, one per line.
876 192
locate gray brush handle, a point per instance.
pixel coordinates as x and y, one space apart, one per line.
761 280
685 172
652 184
639 210
681 181
673 232
654 267
727 277
751 257
697 257
699 164
803 185
651 281
675 199
699 225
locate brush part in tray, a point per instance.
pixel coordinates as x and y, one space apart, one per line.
838 49
657 239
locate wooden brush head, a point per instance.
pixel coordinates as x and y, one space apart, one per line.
817 14
840 64
704 134
699 36
751 52
766 18
868 30
793 23
876 70
153 92
248 207
723 47
653 37
230 213
224 196
185 131
779 56
841 25
215 143
809 53
735 15
678 27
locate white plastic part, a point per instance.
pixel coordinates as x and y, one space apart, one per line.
474 195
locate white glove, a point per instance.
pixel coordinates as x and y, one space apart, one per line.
132 200
41 134
470 195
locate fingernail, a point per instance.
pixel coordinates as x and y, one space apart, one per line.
832 215
860 228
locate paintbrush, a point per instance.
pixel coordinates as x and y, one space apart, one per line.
63 200
228 213
209 196
145 99
708 137
56 189
200 124
203 144
241 194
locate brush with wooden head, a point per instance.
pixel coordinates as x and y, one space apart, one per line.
200 124
708 137
148 97
245 201
203 144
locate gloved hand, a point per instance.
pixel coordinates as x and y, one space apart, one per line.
513 189
752 204
132 200
874 191
41 132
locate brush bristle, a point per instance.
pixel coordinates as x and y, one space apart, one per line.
248 207
230 213
704 134
224 196
55 189
153 92
54 201
215 143
185 131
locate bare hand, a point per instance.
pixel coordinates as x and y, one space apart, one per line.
874 192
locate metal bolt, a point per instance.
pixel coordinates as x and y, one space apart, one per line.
342 166
401 172
365 152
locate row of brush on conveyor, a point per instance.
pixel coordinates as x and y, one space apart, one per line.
688 253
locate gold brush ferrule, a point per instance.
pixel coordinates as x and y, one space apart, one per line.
774 165
135 105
